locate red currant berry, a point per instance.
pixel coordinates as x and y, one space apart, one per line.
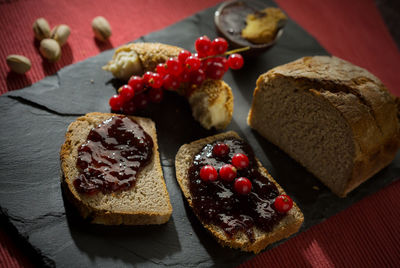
208 173
227 172
185 76
137 83
240 161
201 55
141 101
205 63
116 102
235 61
173 66
147 78
156 95
219 46
242 185
283 203
223 61
192 63
183 55
203 45
126 92
155 80
220 149
171 82
197 77
129 107
160 69
215 70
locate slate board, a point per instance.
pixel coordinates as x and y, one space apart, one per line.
33 124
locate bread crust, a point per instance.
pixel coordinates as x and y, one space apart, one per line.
286 227
362 100
106 216
212 93
151 54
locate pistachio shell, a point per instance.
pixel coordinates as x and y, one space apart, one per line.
50 49
101 28
19 64
41 29
60 33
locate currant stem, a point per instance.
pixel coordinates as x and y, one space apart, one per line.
236 50
227 53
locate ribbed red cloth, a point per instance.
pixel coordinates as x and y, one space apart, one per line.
10 255
365 235
129 20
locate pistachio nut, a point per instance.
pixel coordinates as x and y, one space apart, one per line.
60 33
19 64
101 28
50 49
41 28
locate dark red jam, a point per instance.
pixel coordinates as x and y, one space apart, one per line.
217 202
113 154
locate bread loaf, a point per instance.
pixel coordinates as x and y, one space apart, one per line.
335 118
147 202
289 225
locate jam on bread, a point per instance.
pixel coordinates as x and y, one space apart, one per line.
240 197
112 155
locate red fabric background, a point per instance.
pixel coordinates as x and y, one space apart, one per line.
363 235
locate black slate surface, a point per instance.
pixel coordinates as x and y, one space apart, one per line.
33 124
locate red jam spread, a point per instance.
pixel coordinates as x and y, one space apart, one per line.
217 202
111 157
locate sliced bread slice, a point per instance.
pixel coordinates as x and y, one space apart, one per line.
289 225
147 202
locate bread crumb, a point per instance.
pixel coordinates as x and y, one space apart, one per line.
316 188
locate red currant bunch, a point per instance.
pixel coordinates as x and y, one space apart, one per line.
186 71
